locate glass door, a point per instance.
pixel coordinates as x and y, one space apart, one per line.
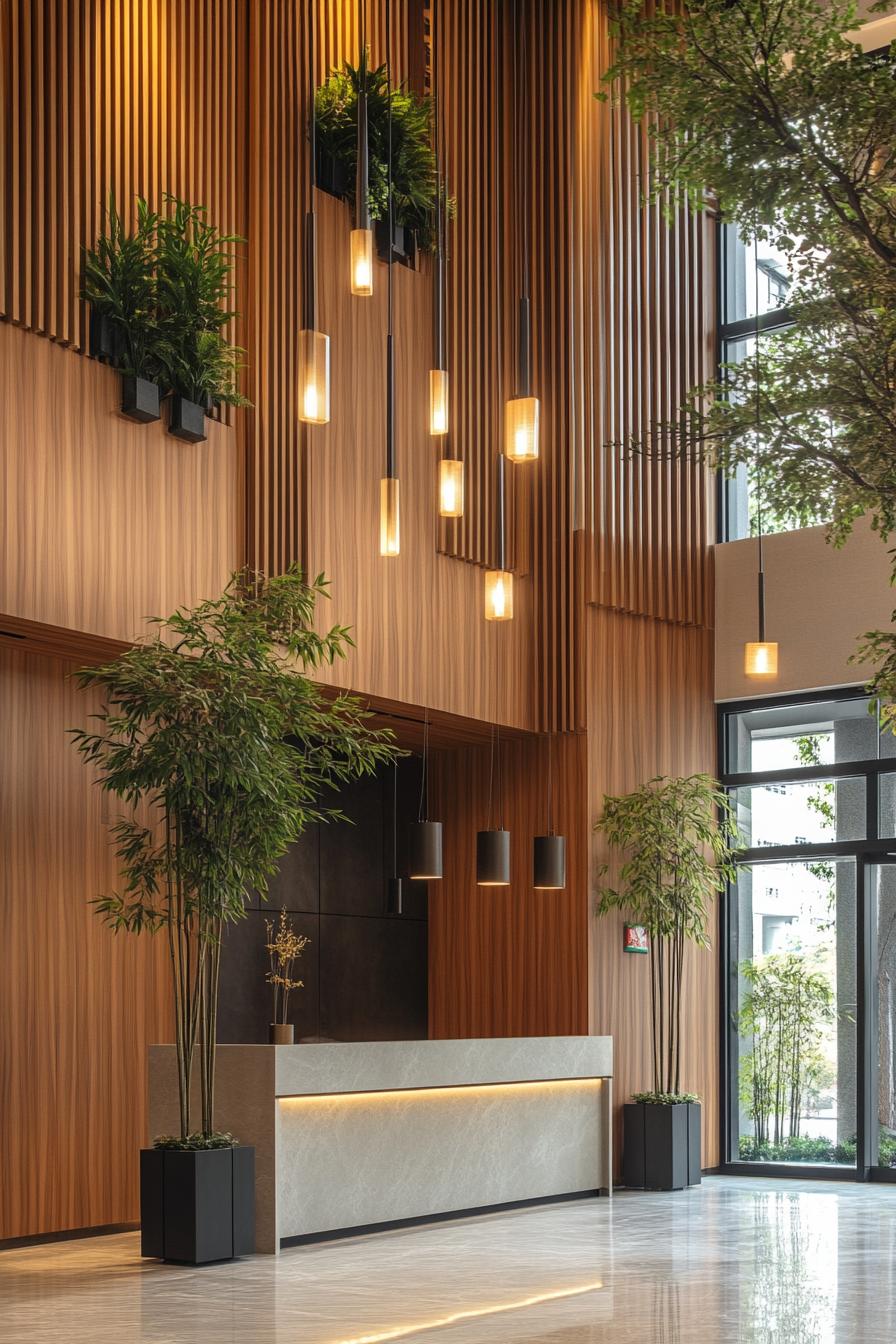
880 1014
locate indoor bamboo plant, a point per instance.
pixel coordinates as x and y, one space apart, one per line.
222 750
676 839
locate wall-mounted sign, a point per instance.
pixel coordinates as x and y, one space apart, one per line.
634 938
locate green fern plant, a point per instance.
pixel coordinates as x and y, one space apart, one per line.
119 282
195 262
414 186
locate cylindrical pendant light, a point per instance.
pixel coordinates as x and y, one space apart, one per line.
438 375
424 836
314 346
394 893
760 656
499 581
521 410
451 487
549 851
493 844
362 234
390 511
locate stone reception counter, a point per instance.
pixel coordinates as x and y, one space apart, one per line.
353 1136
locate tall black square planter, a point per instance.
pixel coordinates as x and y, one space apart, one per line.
197 1207
661 1149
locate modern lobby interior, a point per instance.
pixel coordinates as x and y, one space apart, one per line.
448 772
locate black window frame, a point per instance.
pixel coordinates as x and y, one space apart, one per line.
865 853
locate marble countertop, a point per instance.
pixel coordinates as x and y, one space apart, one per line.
381 1066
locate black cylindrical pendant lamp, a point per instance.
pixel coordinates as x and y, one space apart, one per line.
549 862
425 851
493 858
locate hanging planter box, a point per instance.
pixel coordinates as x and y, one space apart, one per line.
197 1206
661 1148
139 399
187 420
331 176
404 243
104 339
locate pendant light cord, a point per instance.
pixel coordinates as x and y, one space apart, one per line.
550 786
423 809
394 818
390 352
310 295
760 594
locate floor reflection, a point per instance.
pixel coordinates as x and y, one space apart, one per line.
749 1260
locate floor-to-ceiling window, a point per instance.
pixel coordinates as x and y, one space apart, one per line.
810 933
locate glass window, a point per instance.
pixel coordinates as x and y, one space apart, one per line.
784 737
814 813
795 1018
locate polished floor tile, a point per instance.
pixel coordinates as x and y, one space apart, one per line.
762 1262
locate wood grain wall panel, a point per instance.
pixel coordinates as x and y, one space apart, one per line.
509 961
78 1006
103 96
103 522
650 713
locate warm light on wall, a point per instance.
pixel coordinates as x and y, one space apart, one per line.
472 1313
390 516
458 1090
438 401
314 377
451 488
498 595
521 429
761 659
362 262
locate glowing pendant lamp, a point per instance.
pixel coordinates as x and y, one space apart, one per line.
361 240
451 487
424 836
521 411
549 851
499 581
314 346
492 845
390 494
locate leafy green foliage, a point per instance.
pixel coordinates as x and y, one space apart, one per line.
788 1002
664 1098
223 750
677 836
414 186
770 111
803 1149
166 288
195 263
119 283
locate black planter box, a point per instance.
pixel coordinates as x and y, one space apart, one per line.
404 243
139 399
187 420
661 1149
105 339
331 176
196 1207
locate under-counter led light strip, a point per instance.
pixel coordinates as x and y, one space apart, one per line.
456 1090
439 1322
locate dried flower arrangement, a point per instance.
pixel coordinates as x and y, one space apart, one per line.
284 946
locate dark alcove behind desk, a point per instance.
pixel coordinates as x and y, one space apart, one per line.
364 971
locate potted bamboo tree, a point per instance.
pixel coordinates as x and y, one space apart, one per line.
221 750
676 837
119 283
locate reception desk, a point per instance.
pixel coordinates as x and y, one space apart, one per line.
354 1136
